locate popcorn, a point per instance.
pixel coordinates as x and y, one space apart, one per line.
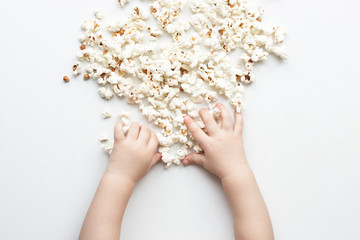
125 119
210 97
150 113
108 147
106 114
137 13
106 93
103 139
169 81
198 6
98 14
123 2
279 35
77 69
166 11
215 112
197 149
237 102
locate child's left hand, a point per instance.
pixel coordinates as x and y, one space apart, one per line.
135 154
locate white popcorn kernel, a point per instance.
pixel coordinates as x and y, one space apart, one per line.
77 69
232 2
106 93
170 28
98 14
280 51
210 97
106 114
108 147
103 139
123 2
150 113
125 119
198 149
163 149
215 112
279 35
237 102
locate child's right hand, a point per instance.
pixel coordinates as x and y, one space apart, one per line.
224 153
134 154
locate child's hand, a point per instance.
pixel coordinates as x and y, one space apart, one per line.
133 155
224 153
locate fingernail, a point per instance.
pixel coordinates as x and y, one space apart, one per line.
185 162
187 117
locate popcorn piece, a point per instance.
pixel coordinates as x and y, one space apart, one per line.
77 69
215 112
108 147
279 35
98 14
197 149
123 2
103 139
181 154
236 102
125 119
106 114
166 11
106 93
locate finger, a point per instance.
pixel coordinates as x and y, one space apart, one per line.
209 121
196 158
226 121
133 132
153 141
119 132
156 158
239 123
144 134
198 134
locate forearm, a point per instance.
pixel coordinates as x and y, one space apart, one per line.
103 220
251 217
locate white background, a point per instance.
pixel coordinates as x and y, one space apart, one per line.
302 132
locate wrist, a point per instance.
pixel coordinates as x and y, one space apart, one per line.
115 176
241 172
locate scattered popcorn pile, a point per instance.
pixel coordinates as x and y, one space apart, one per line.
175 79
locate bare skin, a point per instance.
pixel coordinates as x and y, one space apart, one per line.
127 165
223 155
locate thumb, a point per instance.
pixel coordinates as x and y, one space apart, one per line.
156 158
196 158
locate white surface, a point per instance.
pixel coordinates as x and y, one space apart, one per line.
302 132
